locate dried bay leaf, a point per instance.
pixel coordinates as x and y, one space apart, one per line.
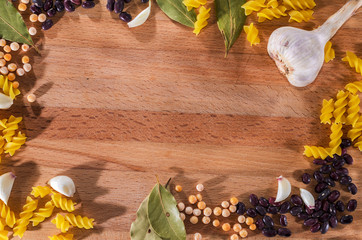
12 26
177 11
163 214
230 20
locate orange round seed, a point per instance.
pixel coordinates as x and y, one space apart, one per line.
33 18
31 98
7 57
201 205
26 59
7 48
2 42
252 227
243 233
12 67
22 7
11 76
226 227
192 199
2 62
178 188
249 221
25 47
15 84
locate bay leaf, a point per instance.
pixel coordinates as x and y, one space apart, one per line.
140 228
12 25
163 214
177 11
230 20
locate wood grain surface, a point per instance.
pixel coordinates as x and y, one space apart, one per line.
118 106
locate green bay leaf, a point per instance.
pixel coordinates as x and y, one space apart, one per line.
163 214
140 228
177 11
12 25
230 20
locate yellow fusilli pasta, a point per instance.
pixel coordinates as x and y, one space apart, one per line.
299 4
340 107
327 111
353 110
354 87
253 6
8 87
336 138
17 141
358 144
252 34
329 53
4 235
354 61
40 191
62 237
61 223
25 216
201 21
63 203
190 4
317 152
270 13
272 4
7 215
42 213
79 221
11 125
301 15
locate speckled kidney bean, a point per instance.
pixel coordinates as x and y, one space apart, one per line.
294 211
318 205
325 217
240 208
319 162
325 169
317 214
330 182
303 215
306 178
324 194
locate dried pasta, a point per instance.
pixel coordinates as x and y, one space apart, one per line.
25 216
329 53
8 87
17 141
299 4
354 87
353 110
327 111
61 223
63 203
7 215
317 152
79 221
270 13
40 191
42 213
253 6
301 15
252 34
356 131
340 107
358 144
190 4
336 138
4 235
354 61
272 4
201 21
62 237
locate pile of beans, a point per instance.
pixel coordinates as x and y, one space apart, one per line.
118 7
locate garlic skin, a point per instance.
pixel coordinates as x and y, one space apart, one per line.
63 185
308 198
299 54
6 185
5 101
284 189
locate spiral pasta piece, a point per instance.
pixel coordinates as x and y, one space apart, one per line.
62 237
8 87
301 15
61 223
317 152
253 6
336 138
190 4
354 61
4 235
327 111
15 144
7 215
358 144
252 34
42 213
201 21
270 13
329 53
25 216
40 191
354 87
79 221
299 4
63 203
340 107
353 110
272 4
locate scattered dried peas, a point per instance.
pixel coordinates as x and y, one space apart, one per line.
199 197
11 76
217 211
32 30
31 98
20 72
2 42
25 1
25 47
232 208
7 57
42 17
15 84
192 199
207 212
188 210
27 67
197 236
181 206
206 220
194 220
2 62
200 187
234 201
22 7
196 212
216 223
226 227
243 233
249 221
225 213
178 188
234 237
225 204
7 48
201 205
182 216
25 59
4 71
241 219
2 54
14 46
237 227
12 67
252 227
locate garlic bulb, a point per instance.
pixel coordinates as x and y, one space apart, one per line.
284 189
6 185
63 185
299 54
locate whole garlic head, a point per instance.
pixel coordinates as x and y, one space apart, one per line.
63 185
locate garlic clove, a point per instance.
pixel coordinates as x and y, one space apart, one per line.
5 101
6 185
141 17
308 198
284 189
63 185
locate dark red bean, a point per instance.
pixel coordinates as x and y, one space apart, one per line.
144 1
294 211
261 210
315 227
48 4
329 159
272 202
317 214
310 222
38 3
340 206
325 169
51 12
352 205
88 4
344 151
347 219
285 207
319 162
263 202
324 194
303 215
110 5
69 7
325 206
309 211
325 217
269 232
284 232
346 142
333 196
324 227
352 188
283 220
47 24
251 212
59 5
318 205
268 221
259 224
296 200
337 164
240 208
118 6
36 10
253 199
125 16
342 171
320 187
127 1
333 222
272 209
334 176
318 176
345 180
306 178
330 182
332 209
348 158
77 2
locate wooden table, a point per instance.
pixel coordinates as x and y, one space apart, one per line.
118 106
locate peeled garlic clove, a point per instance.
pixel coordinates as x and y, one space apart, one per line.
308 198
63 185
5 101
140 18
284 189
6 184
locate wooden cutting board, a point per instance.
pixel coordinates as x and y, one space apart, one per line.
118 106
